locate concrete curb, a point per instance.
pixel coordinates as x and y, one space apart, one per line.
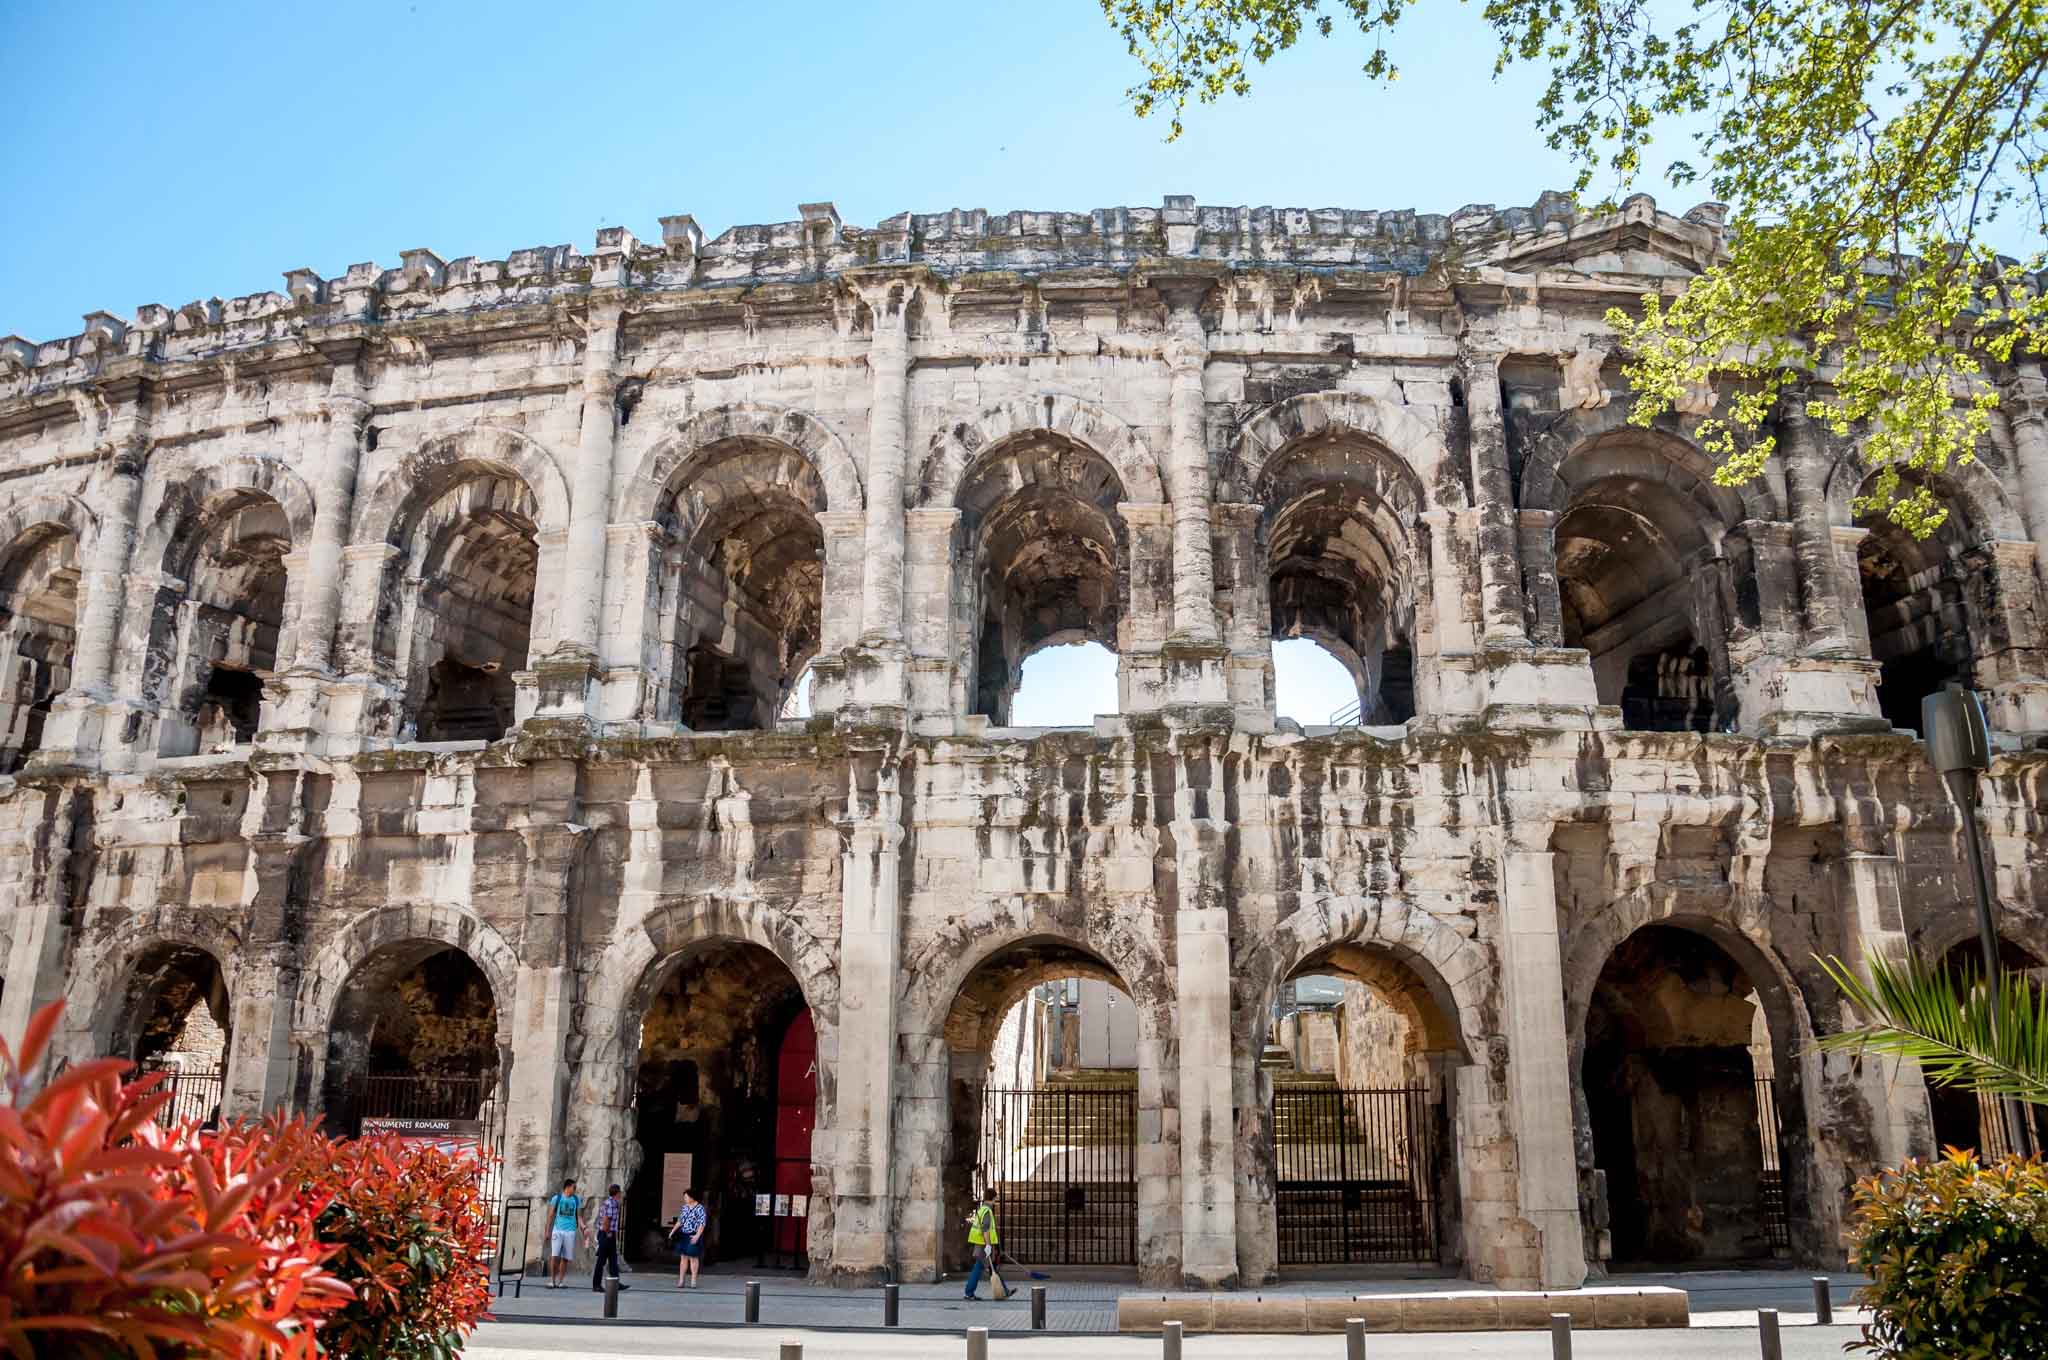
1488 1310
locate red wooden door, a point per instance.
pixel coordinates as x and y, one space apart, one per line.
796 1109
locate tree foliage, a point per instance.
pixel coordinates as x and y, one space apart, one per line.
1991 1039
1870 153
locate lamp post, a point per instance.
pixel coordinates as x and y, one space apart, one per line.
1959 746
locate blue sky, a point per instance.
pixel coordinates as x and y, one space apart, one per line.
171 152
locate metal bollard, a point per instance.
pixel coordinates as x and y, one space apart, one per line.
1560 1336
1767 1334
1038 1308
611 1297
1354 1339
892 1301
791 1350
1823 1305
977 1343
753 1300
1169 1341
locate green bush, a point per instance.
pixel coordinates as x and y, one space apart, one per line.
1957 1253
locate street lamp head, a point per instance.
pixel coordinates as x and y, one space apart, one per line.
1957 736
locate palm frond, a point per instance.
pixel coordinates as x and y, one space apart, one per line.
1992 1039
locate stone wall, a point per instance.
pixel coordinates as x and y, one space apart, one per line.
516 561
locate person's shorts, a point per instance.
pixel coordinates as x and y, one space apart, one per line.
563 1244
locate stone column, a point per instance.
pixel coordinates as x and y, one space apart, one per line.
1141 636
870 960
591 489
1539 1076
1194 583
1500 568
2003 605
57 826
888 451
341 445
1208 1121
1242 581
534 1081
840 616
263 986
928 587
1848 543
1543 607
2026 402
1897 1123
78 719
1804 450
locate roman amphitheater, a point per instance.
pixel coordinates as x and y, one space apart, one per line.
402 704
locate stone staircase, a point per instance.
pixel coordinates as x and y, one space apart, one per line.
1082 1121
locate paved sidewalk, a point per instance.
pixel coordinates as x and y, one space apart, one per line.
1719 1298
527 1341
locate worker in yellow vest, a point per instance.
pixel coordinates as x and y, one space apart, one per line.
982 1238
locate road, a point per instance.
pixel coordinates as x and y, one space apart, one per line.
552 1341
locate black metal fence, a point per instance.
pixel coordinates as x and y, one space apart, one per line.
1777 1213
1062 1162
195 1096
467 1101
1357 1175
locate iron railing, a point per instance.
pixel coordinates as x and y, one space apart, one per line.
1062 1163
1777 1213
195 1096
1357 1175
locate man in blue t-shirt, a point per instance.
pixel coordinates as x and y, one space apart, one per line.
567 1206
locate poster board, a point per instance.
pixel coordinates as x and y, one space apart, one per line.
676 1169
457 1137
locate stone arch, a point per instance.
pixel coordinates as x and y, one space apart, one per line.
636 969
959 446
1415 447
1664 452
189 494
1970 489
799 430
48 509
45 543
634 966
105 1008
957 987
1589 947
1788 1021
1454 971
337 960
934 974
380 516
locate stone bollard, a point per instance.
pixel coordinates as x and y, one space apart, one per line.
1823 1305
753 1300
1038 1308
611 1297
1354 1339
1767 1334
1560 1336
792 1349
1169 1341
892 1302
977 1343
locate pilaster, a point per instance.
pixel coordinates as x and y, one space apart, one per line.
1539 1078
1501 607
870 958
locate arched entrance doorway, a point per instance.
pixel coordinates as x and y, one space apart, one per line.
725 1102
1361 1055
1046 1059
173 1020
1962 1117
415 1037
1682 1100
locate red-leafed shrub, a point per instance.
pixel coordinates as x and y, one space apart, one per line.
119 1238
414 1241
